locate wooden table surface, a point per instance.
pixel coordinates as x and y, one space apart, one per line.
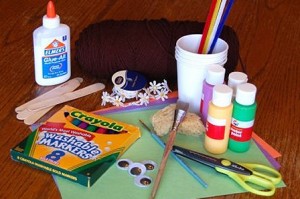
269 47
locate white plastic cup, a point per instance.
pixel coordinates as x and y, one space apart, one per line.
192 67
201 62
188 46
201 57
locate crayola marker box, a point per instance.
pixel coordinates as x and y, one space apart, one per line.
76 145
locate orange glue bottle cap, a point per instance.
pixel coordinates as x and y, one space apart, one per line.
51 10
51 19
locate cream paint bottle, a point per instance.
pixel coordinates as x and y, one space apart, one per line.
219 120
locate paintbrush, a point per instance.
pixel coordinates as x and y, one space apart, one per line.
177 158
180 112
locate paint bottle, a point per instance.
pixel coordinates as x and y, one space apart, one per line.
218 120
236 78
215 75
51 43
243 115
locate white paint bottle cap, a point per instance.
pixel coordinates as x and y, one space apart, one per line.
215 74
236 78
245 94
222 95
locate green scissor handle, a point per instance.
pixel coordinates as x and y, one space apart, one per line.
264 172
261 182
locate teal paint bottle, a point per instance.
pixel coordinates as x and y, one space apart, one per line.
243 116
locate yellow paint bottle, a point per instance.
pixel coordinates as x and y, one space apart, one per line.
218 120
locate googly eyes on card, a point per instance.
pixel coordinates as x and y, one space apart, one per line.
143 181
124 164
137 170
149 164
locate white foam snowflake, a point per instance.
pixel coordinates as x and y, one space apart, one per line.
143 98
154 87
162 94
118 101
165 86
105 98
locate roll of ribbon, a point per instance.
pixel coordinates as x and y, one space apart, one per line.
128 83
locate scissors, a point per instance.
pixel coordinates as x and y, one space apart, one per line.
255 178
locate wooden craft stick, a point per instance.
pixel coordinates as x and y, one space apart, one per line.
31 119
69 86
24 114
66 97
59 90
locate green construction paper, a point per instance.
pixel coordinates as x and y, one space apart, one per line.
176 183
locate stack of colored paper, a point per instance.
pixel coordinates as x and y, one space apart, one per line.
116 183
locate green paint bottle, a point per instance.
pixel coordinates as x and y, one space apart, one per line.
243 115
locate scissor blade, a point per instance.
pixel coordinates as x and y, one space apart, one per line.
196 156
211 161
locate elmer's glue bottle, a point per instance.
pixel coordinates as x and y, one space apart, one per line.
244 109
218 120
215 75
52 50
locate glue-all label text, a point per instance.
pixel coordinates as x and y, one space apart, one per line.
55 57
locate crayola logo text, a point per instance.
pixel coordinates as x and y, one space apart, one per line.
95 121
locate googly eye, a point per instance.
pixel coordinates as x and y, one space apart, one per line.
136 169
124 164
149 164
143 181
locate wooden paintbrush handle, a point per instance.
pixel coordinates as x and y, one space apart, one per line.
163 163
180 112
